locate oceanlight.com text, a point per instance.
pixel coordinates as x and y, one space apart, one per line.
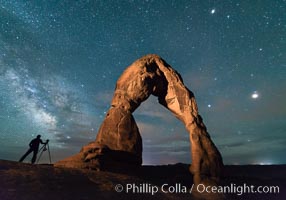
178 188
238 189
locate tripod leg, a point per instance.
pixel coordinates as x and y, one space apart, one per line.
49 154
42 150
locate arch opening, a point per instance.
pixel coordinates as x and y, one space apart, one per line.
164 138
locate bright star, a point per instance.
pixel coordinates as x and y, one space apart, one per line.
254 95
213 11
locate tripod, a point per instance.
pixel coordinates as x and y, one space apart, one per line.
45 147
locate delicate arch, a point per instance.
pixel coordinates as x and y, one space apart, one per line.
118 139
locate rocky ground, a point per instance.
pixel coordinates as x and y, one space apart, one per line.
20 181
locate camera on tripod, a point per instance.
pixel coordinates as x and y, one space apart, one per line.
45 147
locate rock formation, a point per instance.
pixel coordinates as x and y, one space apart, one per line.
118 142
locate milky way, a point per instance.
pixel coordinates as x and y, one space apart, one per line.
59 62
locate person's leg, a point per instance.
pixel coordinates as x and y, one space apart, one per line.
35 152
25 155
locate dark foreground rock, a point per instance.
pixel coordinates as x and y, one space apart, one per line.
20 181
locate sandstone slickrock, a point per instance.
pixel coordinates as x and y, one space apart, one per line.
118 142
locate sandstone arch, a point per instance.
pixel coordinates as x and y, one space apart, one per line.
118 140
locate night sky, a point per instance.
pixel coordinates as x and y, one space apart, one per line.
59 62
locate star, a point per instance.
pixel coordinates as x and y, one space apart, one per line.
213 11
254 95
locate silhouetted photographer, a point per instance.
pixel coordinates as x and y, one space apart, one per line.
34 147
